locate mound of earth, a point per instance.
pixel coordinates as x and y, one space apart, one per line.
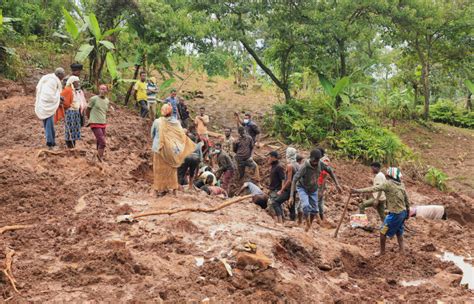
75 251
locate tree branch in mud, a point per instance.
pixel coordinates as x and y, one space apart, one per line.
213 209
14 227
8 268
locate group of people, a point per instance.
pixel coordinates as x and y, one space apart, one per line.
184 156
61 98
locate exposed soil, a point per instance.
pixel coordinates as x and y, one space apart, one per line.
76 252
447 148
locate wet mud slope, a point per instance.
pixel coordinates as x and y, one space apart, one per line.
74 251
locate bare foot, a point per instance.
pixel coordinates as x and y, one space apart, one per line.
379 253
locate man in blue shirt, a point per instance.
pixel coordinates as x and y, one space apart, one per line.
173 101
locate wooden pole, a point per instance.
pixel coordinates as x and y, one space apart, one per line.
343 214
195 209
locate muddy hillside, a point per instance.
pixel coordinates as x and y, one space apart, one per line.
72 250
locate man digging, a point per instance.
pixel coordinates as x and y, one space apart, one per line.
398 207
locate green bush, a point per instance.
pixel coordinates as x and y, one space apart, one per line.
370 143
447 112
348 130
311 121
436 178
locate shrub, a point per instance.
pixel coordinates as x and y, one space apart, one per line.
311 121
370 143
436 178
348 130
447 112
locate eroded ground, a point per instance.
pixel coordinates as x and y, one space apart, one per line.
76 252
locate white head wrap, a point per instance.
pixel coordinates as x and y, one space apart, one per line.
291 154
71 80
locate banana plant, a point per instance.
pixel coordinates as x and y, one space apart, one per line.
335 91
96 47
469 85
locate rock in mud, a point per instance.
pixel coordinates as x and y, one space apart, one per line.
325 267
253 259
428 247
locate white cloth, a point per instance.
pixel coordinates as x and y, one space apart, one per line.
204 176
48 93
71 80
379 179
432 212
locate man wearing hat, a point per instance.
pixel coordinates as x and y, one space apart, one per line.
76 69
397 205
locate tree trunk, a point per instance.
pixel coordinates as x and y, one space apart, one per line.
469 102
338 102
425 73
342 58
415 94
101 66
129 92
280 84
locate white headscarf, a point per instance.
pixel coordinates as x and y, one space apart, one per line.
71 80
291 154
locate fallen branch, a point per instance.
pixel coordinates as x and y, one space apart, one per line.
14 227
50 152
213 209
8 268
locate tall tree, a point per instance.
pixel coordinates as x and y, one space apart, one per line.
428 28
270 31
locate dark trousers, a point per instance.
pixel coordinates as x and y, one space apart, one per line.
242 164
99 134
143 108
191 165
49 132
279 200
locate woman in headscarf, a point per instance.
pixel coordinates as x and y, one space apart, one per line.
70 112
170 147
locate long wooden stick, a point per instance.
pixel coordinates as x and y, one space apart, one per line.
213 209
14 227
343 214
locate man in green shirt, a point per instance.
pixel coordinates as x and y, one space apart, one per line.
397 205
306 183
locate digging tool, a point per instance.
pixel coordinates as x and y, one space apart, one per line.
343 214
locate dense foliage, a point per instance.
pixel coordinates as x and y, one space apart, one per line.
348 130
447 112
345 69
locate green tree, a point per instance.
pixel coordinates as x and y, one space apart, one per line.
430 30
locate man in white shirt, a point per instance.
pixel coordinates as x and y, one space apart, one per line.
48 99
378 198
259 197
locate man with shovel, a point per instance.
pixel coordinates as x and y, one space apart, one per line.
398 207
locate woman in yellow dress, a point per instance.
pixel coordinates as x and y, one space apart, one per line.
170 146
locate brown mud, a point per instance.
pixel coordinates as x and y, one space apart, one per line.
76 252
